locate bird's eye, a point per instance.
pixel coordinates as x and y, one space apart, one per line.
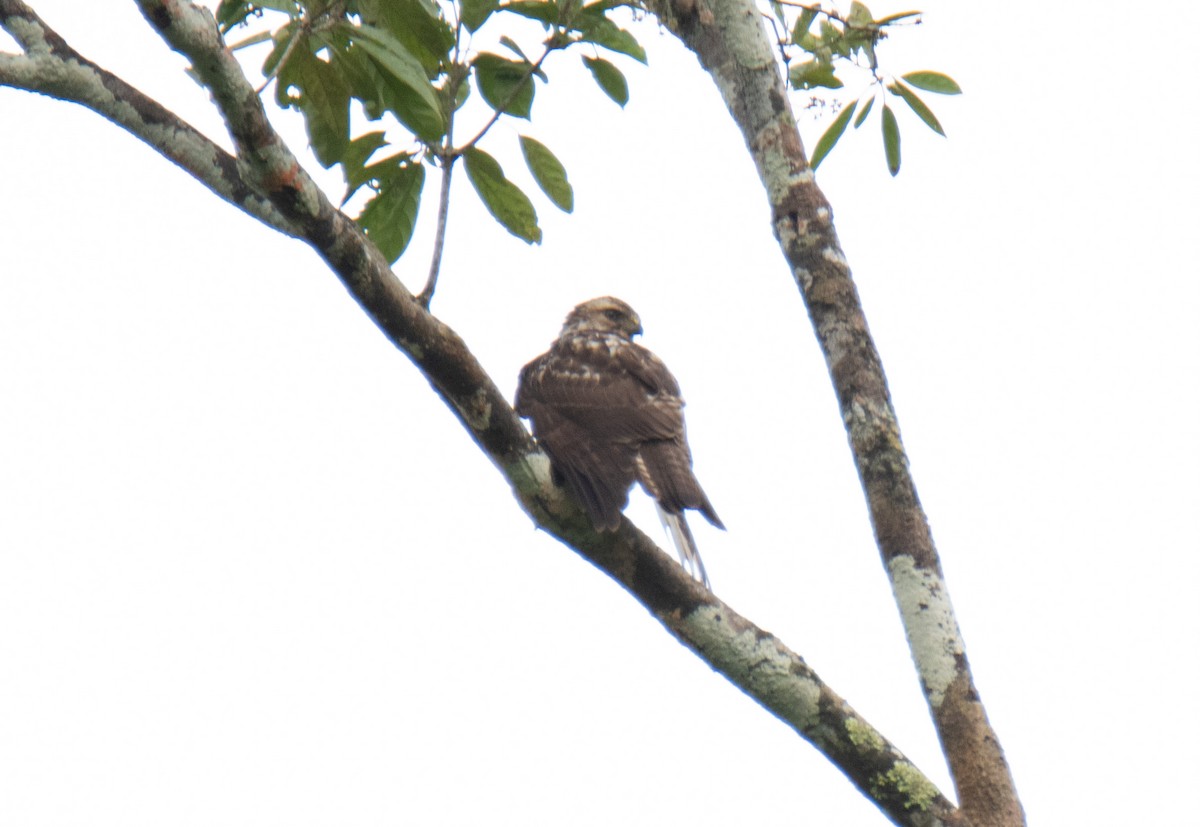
613 315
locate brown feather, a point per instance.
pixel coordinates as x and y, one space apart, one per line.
609 413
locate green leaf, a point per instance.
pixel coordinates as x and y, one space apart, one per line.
891 140
933 82
549 173
600 30
834 39
322 95
514 47
812 74
326 107
917 105
462 93
408 92
862 115
367 83
251 40
285 41
892 18
475 12
862 31
505 84
289 7
354 161
503 199
609 5
860 16
812 44
544 11
231 13
827 141
381 171
418 24
609 78
803 24
390 216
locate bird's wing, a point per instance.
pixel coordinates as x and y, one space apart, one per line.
664 468
584 411
609 417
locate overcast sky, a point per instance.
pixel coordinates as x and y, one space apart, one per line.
253 572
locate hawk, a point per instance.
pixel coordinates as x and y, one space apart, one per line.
608 413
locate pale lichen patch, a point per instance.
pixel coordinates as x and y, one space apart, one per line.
804 277
770 678
904 778
862 734
29 34
929 618
539 467
835 256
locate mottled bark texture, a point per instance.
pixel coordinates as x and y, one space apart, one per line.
264 173
276 172
731 42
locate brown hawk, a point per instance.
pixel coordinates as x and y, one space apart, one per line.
608 413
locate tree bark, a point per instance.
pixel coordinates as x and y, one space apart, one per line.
732 44
266 180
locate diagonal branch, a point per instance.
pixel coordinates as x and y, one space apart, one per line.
763 667
729 39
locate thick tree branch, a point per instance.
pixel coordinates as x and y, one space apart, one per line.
732 44
752 659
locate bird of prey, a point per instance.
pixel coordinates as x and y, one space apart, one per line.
608 413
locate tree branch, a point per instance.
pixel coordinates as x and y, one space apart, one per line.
51 67
755 661
439 235
449 155
530 70
731 43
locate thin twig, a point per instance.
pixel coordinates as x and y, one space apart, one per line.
439 236
450 155
749 657
735 49
530 70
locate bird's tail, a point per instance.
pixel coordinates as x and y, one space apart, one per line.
685 544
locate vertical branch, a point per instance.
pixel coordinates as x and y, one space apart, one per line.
731 43
752 659
449 155
439 235
449 92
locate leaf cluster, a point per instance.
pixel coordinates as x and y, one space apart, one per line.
410 62
832 44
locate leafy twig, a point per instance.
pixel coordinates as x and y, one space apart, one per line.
530 70
735 49
751 658
449 155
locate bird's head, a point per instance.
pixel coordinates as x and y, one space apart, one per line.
604 315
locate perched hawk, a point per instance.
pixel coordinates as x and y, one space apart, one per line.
608 413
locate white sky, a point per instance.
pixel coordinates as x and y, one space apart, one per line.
252 572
